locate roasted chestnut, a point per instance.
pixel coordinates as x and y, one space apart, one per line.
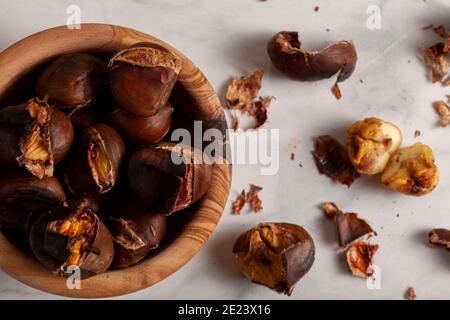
73 236
73 80
84 117
136 229
285 51
93 168
142 78
370 143
23 197
412 170
142 130
276 255
34 135
169 176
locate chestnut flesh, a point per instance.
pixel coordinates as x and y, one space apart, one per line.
73 80
276 255
165 184
73 236
94 166
142 78
285 51
142 130
136 229
23 197
35 136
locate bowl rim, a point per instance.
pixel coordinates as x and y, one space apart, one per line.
16 61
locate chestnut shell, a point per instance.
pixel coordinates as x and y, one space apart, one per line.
72 80
164 184
52 252
136 229
23 197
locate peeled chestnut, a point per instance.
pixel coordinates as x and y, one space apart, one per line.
35 136
370 143
276 255
136 229
93 168
412 170
73 236
72 80
142 78
142 130
169 176
285 51
23 197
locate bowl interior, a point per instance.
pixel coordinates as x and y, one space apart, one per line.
193 99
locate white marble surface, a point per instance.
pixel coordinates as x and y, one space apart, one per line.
228 37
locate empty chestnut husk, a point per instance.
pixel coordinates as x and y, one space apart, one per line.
73 80
35 136
136 229
23 197
93 168
73 236
276 255
286 54
142 78
142 130
169 176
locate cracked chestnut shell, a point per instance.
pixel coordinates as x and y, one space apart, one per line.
285 51
72 80
370 143
136 229
23 198
35 136
276 255
93 168
73 236
168 176
142 130
411 170
142 78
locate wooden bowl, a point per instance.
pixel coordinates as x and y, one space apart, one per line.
18 61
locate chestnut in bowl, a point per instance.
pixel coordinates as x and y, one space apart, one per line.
35 136
73 237
169 176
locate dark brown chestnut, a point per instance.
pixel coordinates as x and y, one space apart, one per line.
84 117
276 255
93 168
285 51
73 80
142 78
73 236
142 130
169 176
23 197
136 229
35 136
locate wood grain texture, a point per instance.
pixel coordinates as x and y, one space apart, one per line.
24 56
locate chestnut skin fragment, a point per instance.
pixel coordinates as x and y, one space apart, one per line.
242 90
23 197
285 51
142 130
360 259
35 136
169 176
72 80
412 170
142 78
332 160
276 255
93 168
73 236
440 237
351 227
437 58
136 229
